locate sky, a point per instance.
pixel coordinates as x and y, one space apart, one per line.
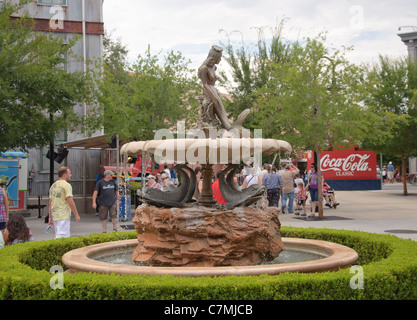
193 26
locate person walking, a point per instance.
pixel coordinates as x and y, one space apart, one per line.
199 184
4 208
301 198
61 204
263 173
99 176
251 179
313 187
174 177
106 194
273 184
217 195
384 174
2 239
287 176
390 171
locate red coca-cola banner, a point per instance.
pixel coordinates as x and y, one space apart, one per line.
348 165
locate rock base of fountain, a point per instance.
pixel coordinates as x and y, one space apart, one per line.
204 237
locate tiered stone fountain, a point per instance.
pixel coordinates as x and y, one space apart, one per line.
180 236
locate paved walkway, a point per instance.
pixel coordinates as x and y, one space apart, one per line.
385 211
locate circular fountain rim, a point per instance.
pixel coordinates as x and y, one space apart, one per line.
79 260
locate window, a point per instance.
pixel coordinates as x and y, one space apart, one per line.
53 2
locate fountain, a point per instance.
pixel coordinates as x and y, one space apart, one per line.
182 236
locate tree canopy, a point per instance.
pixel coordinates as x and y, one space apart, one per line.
392 93
152 93
37 94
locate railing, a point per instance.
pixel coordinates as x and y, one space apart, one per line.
41 187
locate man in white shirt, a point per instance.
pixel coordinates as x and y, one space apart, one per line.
61 204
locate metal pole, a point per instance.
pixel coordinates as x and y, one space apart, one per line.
380 171
84 37
84 107
51 168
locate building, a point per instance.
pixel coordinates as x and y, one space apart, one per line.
68 19
410 40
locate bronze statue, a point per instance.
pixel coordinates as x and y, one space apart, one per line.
174 196
213 113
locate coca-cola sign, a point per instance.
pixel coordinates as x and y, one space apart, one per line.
348 164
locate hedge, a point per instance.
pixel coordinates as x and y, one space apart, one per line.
389 269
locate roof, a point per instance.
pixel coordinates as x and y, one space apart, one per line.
98 142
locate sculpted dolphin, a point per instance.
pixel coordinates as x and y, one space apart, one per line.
173 196
235 197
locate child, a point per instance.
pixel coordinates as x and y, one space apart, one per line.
328 195
301 199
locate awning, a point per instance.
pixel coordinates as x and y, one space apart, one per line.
13 155
98 142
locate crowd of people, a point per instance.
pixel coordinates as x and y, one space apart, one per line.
390 174
286 184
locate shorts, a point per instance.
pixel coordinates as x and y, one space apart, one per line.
300 202
314 194
390 174
103 212
62 228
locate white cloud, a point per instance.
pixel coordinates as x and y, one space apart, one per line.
193 26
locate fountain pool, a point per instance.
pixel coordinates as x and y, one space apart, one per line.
327 256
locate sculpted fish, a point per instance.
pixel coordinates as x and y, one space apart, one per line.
230 192
173 196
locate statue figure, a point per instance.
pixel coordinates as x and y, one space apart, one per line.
211 103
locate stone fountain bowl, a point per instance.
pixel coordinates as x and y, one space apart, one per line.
336 257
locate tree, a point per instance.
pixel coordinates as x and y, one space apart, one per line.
251 69
314 100
37 95
147 96
392 87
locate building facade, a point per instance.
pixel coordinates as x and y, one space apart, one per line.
67 19
410 40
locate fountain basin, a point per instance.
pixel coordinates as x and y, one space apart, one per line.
336 256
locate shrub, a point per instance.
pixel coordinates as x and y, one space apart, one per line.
389 266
